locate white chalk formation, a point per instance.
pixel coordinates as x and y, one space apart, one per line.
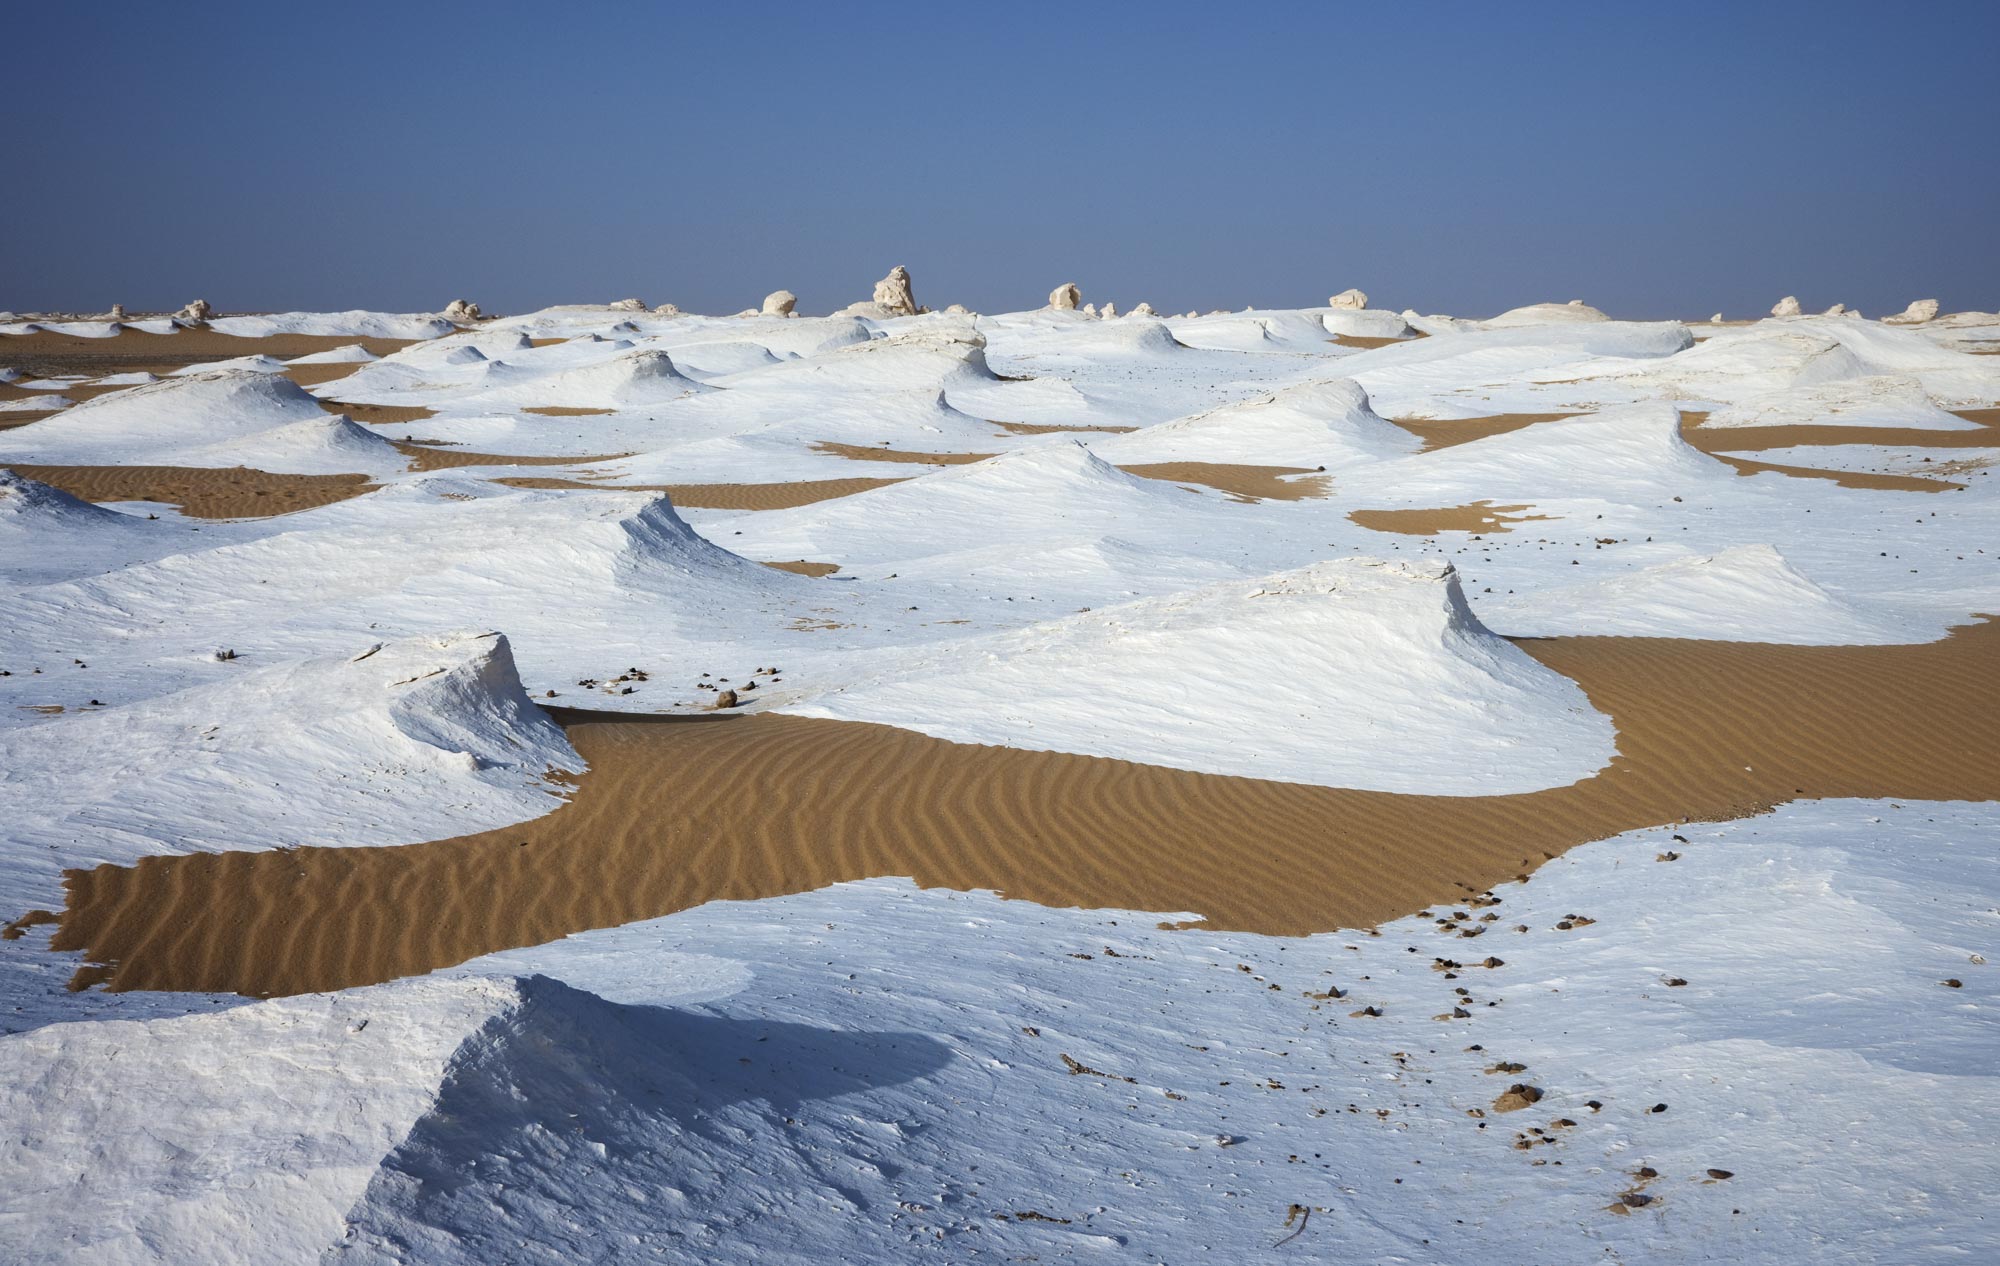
461 310
1916 314
1786 307
893 294
780 303
1349 298
628 305
1066 297
195 313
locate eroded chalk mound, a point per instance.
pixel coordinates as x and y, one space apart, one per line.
1029 497
1311 424
1869 400
226 418
1355 673
356 324
1631 454
329 1082
641 376
401 741
1747 593
46 534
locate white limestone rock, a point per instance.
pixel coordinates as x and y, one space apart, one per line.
1066 297
1916 314
893 294
667 309
461 310
1786 307
1088 309
1109 310
195 313
780 303
1349 298
628 305
1143 309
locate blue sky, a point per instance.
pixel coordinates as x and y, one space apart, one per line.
1656 160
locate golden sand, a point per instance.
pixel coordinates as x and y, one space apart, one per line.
1480 516
202 492
675 812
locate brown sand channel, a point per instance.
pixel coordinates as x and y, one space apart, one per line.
675 812
1480 516
202 492
778 496
1242 483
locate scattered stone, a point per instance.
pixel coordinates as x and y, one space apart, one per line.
1954 983
780 303
1721 1175
1516 1097
725 699
1066 297
1349 298
893 294
1077 1069
1716 319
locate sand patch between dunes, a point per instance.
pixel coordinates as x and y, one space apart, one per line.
778 496
675 812
425 457
1243 483
133 350
1036 428
202 492
862 453
1479 516
1452 431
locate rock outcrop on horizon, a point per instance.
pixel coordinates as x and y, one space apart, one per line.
461 310
780 303
1349 298
1786 307
628 305
195 313
667 309
893 294
1066 297
1109 310
1917 313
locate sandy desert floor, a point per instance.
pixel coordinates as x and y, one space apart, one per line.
635 786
